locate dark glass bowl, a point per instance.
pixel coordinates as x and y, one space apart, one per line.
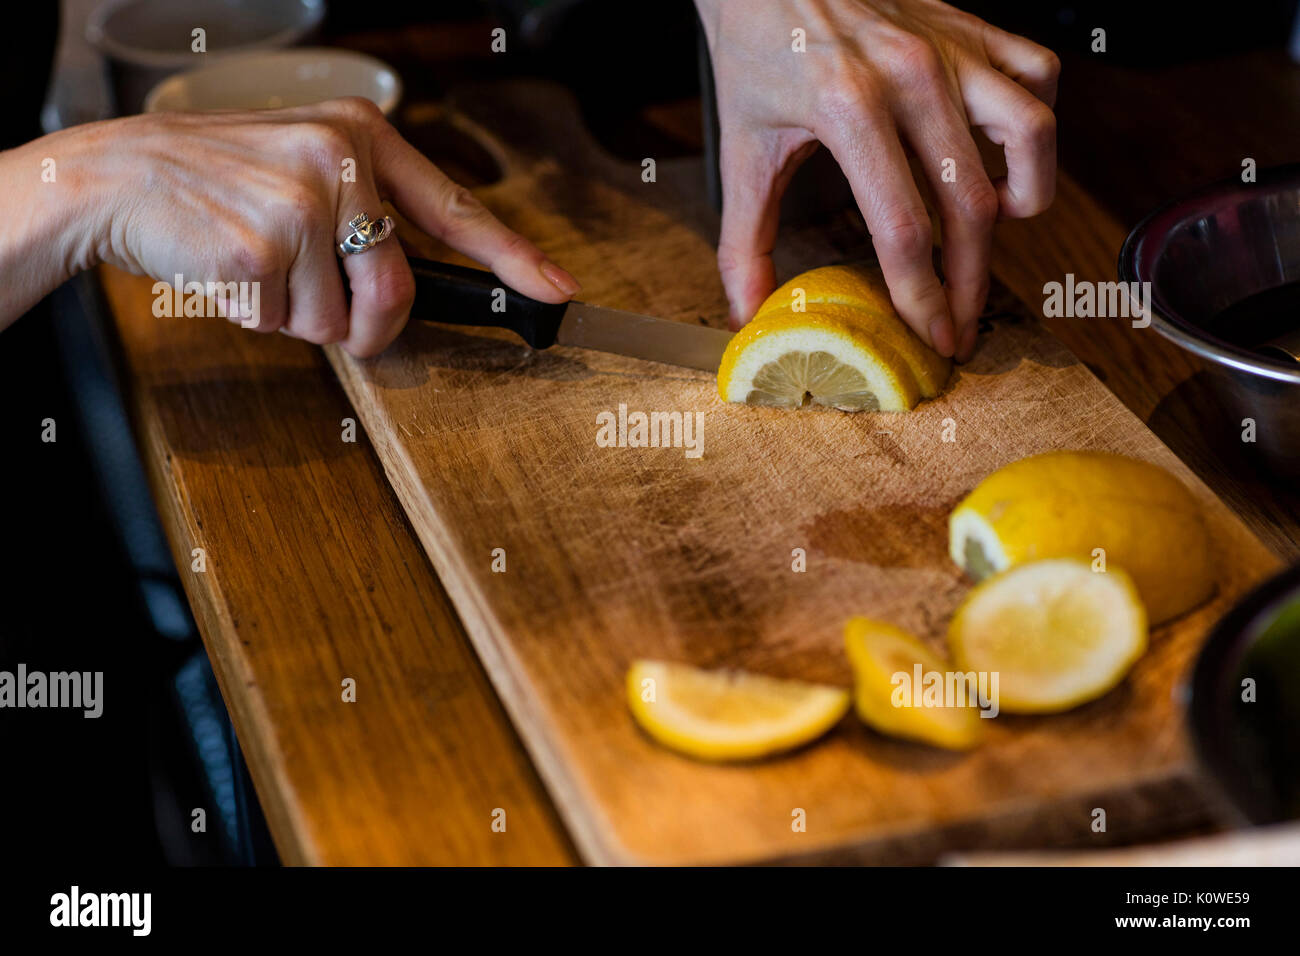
1250 749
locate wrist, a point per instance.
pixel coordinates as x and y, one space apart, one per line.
56 198
81 200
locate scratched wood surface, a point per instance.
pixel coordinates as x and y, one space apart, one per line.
618 553
312 576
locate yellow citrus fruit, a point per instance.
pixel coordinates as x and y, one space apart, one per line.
787 360
1071 503
729 715
859 290
886 701
1055 632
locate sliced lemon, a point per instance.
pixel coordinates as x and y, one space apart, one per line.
729 715
885 691
787 360
1056 633
860 290
1072 503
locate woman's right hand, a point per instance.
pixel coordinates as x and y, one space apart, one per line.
266 197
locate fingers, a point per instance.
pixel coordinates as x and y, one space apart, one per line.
317 309
383 288
259 262
1025 127
755 175
1034 67
864 141
967 202
451 213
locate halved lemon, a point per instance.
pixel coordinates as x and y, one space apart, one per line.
727 714
787 360
1056 633
1073 503
886 694
859 290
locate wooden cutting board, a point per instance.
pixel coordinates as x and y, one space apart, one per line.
613 554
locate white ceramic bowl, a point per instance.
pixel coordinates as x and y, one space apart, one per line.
278 78
145 41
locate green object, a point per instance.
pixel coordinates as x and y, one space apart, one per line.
1269 728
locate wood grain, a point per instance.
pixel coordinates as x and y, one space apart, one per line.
313 576
615 554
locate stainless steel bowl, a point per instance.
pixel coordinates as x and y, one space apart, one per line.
1212 250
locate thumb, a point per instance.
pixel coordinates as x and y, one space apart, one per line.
755 174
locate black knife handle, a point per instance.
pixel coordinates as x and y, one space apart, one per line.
459 295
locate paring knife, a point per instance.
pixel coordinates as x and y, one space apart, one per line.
457 295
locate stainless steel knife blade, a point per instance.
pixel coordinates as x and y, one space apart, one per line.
642 336
459 295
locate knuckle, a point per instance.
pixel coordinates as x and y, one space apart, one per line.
849 98
1034 204
256 258
907 233
1048 63
460 209
976 200
324 141
357 110
915 60
1036 124
302 207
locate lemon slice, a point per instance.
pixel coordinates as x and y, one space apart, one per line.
860 290
1056 632
1072 503
788 360
729 715
884 659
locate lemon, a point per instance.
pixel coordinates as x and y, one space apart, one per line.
860 290
880 654
729 715
1055 632
1071 503
785 360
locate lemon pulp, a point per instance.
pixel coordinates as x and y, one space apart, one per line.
727 714
1057 633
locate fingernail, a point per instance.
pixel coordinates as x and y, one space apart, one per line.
941 336
559 278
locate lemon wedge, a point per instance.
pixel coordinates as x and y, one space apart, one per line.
729 715
789 360
859 290
831 336
884 659
1072 503
1057 633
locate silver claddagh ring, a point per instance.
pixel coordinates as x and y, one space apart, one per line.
365 234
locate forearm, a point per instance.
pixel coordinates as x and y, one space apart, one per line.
52 199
